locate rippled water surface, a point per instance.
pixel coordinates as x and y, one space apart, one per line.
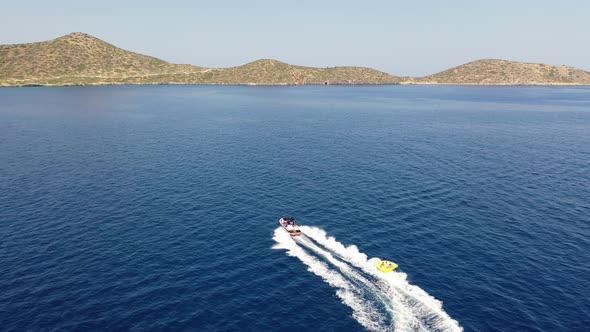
156 207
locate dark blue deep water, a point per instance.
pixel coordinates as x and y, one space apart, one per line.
155 208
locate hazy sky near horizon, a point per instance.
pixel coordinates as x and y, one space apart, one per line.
413 38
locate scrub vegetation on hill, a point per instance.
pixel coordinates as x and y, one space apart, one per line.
492 71
81 59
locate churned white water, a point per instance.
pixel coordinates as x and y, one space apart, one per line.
379 301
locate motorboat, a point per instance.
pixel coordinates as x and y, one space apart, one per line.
288 224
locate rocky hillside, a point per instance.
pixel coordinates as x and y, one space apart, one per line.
275 72
76 58
82 59
502 72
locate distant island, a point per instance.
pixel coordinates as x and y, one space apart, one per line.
81 59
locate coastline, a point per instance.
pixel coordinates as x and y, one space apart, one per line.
39 85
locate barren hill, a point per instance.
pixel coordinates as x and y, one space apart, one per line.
502 72
79 58
268 71
76 57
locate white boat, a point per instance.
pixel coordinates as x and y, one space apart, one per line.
288 224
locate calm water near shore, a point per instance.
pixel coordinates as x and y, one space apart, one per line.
156 208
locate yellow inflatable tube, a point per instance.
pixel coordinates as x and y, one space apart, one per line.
386 266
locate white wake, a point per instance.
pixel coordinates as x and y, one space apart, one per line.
379 301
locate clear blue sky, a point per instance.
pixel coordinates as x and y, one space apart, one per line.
411 37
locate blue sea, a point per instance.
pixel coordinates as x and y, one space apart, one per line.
155 208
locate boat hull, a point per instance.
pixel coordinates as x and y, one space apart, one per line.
292 233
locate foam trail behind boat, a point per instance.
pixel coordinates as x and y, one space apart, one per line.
392 305
363 311
426 309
